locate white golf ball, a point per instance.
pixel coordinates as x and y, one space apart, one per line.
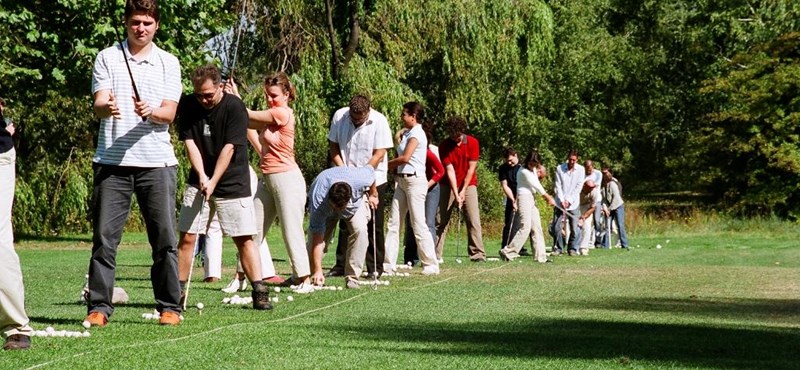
181 317
226 300
458 261
658 246
87 334
277 289
86 324
235 297
339 288
289 298
50 329
667 241
148 316
200 305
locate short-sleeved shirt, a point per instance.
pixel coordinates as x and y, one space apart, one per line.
509 174
359 179
597 177
459 157
416 164
356 144
277 142
590 198
211 130
131 141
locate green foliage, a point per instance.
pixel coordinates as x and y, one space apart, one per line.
753 141
650 87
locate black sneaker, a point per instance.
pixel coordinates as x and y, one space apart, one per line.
260 296
524 252
17 341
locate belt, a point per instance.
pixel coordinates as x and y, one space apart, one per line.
407 174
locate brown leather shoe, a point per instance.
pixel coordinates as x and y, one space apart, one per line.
96 319
211 279
17 341
169 318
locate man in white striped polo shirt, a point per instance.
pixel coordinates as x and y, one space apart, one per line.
135 156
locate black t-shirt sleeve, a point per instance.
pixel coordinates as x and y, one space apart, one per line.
184 119
236 127
502 172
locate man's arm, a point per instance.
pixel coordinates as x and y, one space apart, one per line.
451 178
196 159
221 166
507 190
336 154
377 157
317 246
470 172
105 105
163 114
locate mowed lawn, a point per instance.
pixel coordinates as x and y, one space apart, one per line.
728 299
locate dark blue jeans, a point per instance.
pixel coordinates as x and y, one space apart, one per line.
618 216
114 187
431 206
574 231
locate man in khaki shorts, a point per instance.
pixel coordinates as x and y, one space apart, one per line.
213 125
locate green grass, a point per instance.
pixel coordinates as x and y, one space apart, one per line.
725 298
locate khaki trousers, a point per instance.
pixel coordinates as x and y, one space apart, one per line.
472 218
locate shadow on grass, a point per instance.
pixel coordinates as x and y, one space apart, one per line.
725 308
576 339
53 238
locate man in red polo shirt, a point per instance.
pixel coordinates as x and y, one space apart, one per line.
460 153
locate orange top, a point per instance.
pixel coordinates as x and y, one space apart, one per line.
277 141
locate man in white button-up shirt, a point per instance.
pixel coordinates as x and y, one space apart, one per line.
569 181
359 136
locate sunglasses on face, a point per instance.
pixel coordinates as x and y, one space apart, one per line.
206 96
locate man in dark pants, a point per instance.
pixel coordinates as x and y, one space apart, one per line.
359 136
135 156
507 174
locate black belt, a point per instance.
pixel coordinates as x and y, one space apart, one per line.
407 174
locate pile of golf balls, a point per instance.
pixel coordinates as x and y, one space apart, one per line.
492 259
405 267
236 300
50 332
155 316
373 282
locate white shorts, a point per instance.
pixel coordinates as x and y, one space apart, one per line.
236 216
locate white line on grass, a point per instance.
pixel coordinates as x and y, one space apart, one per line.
453 277
247 323
148 343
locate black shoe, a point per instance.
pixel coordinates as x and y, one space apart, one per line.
260 296
524 252
573 252
334 273
17 341
478 260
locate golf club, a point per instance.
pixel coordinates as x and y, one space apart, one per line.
374 253
127 64
238 37
458 236
196 234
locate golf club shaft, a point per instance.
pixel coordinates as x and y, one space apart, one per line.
197 235
127 64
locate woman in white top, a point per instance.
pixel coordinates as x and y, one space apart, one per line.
530 224
411 188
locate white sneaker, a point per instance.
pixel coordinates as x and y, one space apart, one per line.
430 270
303 288
584 252
235 285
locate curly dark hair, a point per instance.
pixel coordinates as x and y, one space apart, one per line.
339 194
455 126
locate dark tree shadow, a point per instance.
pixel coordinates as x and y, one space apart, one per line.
626 342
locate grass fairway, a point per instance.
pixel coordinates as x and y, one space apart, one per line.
718 300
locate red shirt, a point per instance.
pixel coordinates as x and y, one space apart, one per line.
459 157
433 167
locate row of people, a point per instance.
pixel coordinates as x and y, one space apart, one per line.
587 202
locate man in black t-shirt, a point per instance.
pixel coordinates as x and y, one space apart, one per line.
507 174
213 125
